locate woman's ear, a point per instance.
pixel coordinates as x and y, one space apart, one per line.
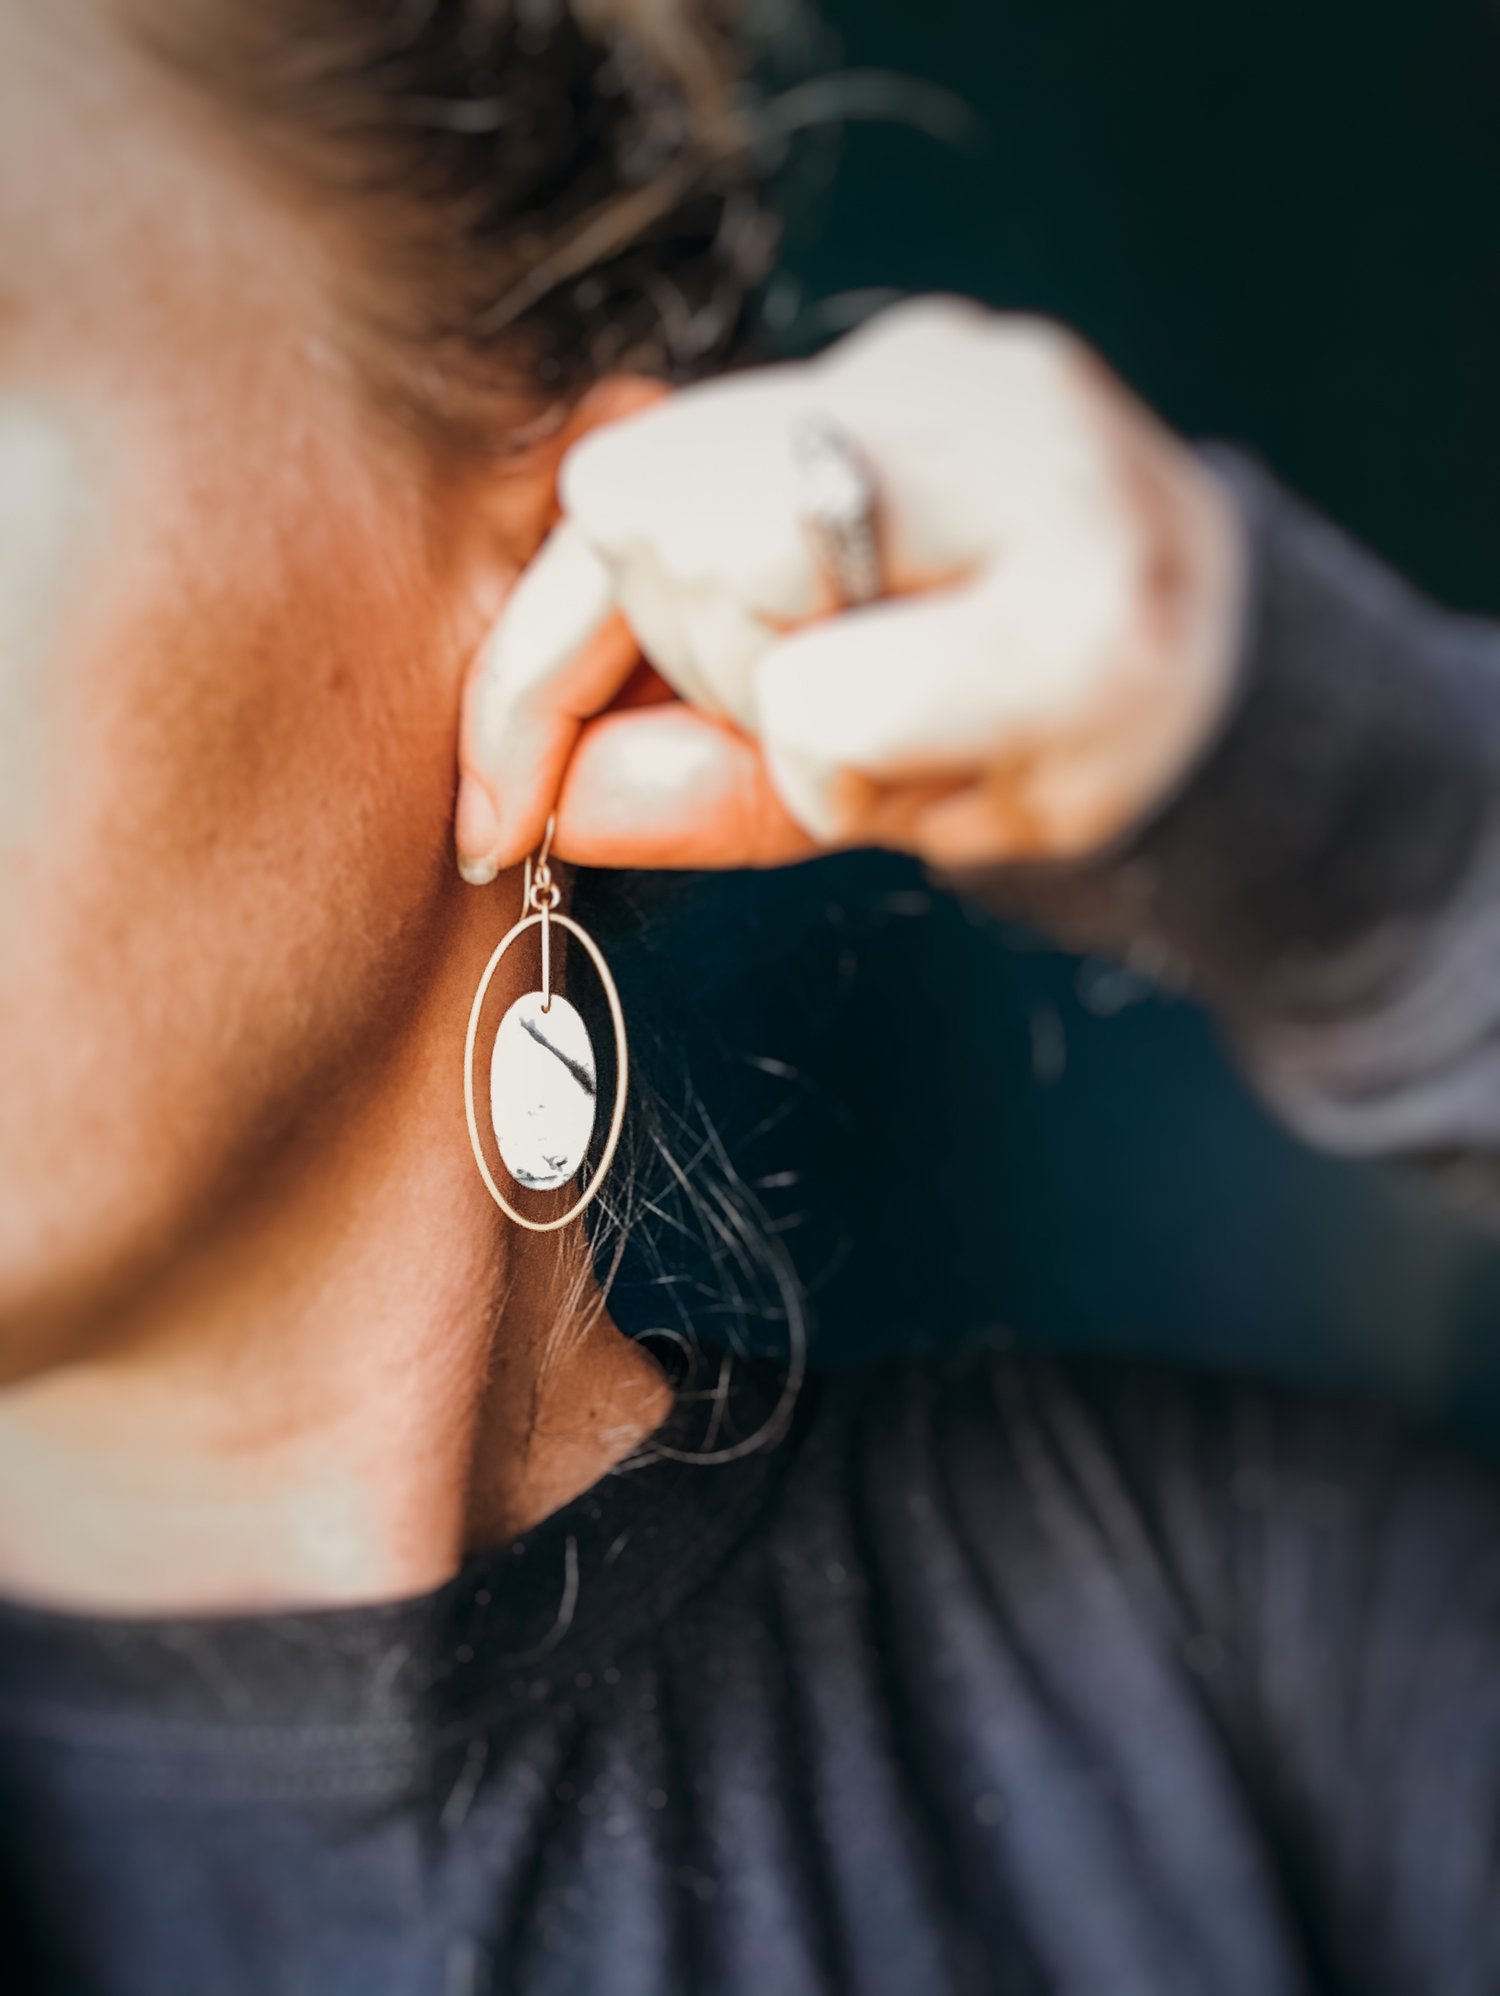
531 501
611 401
525 511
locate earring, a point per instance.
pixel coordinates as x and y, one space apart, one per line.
543 1075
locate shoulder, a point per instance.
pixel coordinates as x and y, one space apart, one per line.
1030 1416
1211 1497
1151 1420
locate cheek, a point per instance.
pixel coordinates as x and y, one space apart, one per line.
235 847
46 512
260 764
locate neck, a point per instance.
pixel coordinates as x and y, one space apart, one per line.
364 1374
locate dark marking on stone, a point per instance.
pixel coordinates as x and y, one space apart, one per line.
578 1071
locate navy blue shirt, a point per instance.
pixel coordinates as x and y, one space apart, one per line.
1000 1677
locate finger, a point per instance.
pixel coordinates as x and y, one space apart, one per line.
945 685
667 786
987 822
559 652
695 505
871 695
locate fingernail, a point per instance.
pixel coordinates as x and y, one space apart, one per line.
476 832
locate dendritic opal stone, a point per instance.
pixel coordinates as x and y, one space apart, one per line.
543 1091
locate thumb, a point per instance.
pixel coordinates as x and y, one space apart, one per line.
558 653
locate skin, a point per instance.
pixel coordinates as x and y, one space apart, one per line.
264 1338
1053 646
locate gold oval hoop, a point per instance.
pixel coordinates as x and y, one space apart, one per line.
622 1074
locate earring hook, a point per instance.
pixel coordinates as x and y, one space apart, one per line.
541 893
546 845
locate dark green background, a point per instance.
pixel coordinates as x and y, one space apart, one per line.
1281 224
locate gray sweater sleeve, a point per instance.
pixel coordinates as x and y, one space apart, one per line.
1328 879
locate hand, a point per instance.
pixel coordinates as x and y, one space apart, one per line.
674 678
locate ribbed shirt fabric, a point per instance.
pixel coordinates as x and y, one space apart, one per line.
1001 1676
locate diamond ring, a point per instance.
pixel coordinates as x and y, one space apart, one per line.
838 507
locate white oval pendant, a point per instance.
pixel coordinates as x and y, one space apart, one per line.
543 1091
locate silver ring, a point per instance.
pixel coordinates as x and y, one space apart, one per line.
838 507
